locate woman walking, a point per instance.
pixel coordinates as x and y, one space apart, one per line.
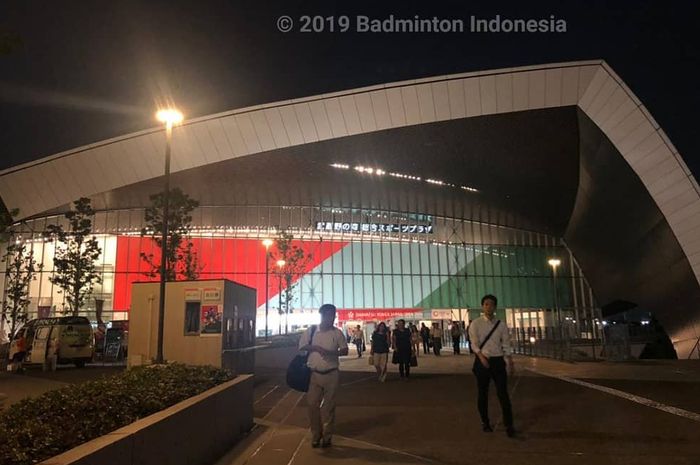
415 339
401 343
379 350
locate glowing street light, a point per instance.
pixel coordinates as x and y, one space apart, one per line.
280 265
169 117
267 243
554 263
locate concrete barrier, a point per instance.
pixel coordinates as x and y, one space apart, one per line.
198 430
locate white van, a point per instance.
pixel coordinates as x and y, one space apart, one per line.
69 338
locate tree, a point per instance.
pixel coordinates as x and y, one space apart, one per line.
6 220
296 260
180 207
21 270
75 270
188 262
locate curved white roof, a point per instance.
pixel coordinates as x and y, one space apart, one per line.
593 86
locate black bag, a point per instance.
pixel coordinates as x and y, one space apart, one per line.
414 361
298 374
430 343
395 358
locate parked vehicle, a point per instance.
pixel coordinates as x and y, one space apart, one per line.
67 339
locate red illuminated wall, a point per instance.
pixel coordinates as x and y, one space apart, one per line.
240 260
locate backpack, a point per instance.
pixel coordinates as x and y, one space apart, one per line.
298 374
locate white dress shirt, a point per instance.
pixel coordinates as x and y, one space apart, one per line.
498 344
332 340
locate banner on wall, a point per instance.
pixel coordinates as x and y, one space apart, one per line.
211 319
369 314
441 314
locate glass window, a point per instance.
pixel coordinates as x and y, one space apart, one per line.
192 310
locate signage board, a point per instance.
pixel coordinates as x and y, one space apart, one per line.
331 226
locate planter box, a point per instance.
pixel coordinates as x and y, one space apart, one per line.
195 431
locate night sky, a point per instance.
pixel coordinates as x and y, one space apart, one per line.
89 70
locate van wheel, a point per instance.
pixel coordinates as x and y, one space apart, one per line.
80 363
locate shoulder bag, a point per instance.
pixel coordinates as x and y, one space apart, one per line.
298 374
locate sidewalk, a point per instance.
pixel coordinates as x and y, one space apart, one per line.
432 418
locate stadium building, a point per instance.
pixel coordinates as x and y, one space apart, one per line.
413 199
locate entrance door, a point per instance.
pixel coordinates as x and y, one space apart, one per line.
41 340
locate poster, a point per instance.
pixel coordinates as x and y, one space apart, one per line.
211 319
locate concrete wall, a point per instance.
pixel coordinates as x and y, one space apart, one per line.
143 326
198 430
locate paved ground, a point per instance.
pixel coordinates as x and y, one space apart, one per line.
567 413
432 418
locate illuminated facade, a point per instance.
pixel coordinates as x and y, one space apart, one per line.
411 198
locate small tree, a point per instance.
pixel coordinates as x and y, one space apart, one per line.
5 222
296 261
21 270
77 250
180 207
188 262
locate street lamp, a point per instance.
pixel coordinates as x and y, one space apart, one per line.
280 265
267 243
169 117
554 263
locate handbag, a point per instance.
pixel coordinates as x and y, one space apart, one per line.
298 374
414 360
370 360
395 358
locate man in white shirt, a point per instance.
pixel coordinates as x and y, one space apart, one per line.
490 362
325 347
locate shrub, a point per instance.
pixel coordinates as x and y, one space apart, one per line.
36 429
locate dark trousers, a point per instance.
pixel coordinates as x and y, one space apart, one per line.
497 372
404 368
358 344
426 347
455 344
437 345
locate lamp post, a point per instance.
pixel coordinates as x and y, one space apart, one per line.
169 117
280 265
267 243
554 263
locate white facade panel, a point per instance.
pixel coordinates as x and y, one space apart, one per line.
380 106
487 90
350 114
552 88
409 96
365 110
335 118
396 107
472 97
455 92
536 89
504 93
234 136
307 122
520 91
441 97
263 131
291 125
279 133
426 104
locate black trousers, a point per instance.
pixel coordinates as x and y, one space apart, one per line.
404 368
455 344
437 345
497 372
426 349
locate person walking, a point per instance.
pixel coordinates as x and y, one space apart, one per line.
358 338
379 350
466 336
401 344
425 336
456 333
436 337
324 348
491 344
415 339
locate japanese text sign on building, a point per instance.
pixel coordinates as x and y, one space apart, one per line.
330 226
